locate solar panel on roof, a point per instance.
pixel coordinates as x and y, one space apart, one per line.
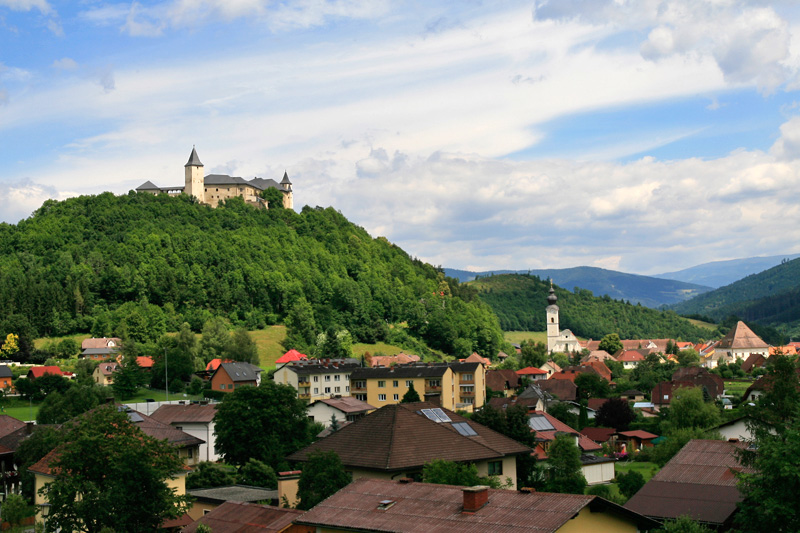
540 423
464 429
430 415
440 415
134 417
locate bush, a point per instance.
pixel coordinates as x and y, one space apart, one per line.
630 483
604 491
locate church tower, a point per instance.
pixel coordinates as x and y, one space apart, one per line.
552 320
288 198
195 183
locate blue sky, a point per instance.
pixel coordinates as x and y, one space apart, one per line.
643 136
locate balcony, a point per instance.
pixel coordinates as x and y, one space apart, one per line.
304 396
354 388
470 394
467 381
433 388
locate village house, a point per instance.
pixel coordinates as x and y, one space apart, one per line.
739 343
237 517
456 386
315 379
343 409
6 378
230 376
101 349
557 340
104 373
505 382
532 373
398 440
405 506
215 188
195 419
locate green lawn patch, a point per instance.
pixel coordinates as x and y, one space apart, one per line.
18 408
647 470
517 337
268 341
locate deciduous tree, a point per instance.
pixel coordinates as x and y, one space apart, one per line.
615 413
323 475
564 466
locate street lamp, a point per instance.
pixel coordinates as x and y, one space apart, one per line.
44 508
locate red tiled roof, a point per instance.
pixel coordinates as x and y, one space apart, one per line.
630 356
145 361
530 371
214 363
39 371
291 355
699 482
396 437
424 507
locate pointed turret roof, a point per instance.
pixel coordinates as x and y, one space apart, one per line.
285 178
194 161
741 336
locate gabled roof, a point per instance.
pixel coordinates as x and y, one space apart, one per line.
598 435
531 371
107 368
347 404
5 372
753 361
584 443
741 337
399 437
101 342
9 424
500 380
291 355
563 389
243 517
475 358
144 361
39 371
699 481
240 372
214 363
638 434
148 186
410 507
187 413
630 356
161 431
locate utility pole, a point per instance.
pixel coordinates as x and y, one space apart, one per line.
166 375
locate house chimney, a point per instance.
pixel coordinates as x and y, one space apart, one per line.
475 498
287 487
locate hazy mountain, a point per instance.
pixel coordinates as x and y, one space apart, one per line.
649 291
720 273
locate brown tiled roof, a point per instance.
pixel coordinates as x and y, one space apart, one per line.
741 337
42 466
638 434
240 517
505 403
188 413
499 380
107 368
348 404
596 403
9 424
101 342
754 360
388 360
424 508
701 377
161 431
630 356
598 435
396 437
699 482
564 390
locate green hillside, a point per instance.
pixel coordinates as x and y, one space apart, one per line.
138 265
770 298
519 301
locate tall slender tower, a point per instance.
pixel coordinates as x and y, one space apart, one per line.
195 183
288 198
552 320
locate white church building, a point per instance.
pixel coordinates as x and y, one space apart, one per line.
558 341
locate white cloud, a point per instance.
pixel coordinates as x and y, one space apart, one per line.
65 63
18 200
27 5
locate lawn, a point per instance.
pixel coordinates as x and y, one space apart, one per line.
647 470
517 337
268 341
78 337
737 388
19 408
361 348
701 324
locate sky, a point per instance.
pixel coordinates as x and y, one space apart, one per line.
644 136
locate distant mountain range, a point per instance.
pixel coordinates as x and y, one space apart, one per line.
771 297
646 290
720 273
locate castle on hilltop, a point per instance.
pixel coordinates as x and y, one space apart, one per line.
214 188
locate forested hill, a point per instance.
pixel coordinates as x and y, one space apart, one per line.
771 298
519 301
140 264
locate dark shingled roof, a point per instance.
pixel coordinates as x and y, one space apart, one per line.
424 507
5 372
285 178
194 161
240 371
240 517
396 437
148 186
234 493
398 372
563 389
699 481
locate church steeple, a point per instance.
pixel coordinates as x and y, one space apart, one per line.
194 161
552 299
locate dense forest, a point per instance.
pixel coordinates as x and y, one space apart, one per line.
770 298
138 265
519 301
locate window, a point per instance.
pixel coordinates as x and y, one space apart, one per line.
409 383
467 377
495 468
362 397
337 389
327 378
190 453
222 387
230 385
396 397
434 383
360 384
337 377
316 390
381 384
467 388
381 397
395 383
316 379
327 390
347 388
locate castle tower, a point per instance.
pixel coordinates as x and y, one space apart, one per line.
195 183
288 198
552 320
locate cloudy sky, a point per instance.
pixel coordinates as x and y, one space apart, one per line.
638 135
